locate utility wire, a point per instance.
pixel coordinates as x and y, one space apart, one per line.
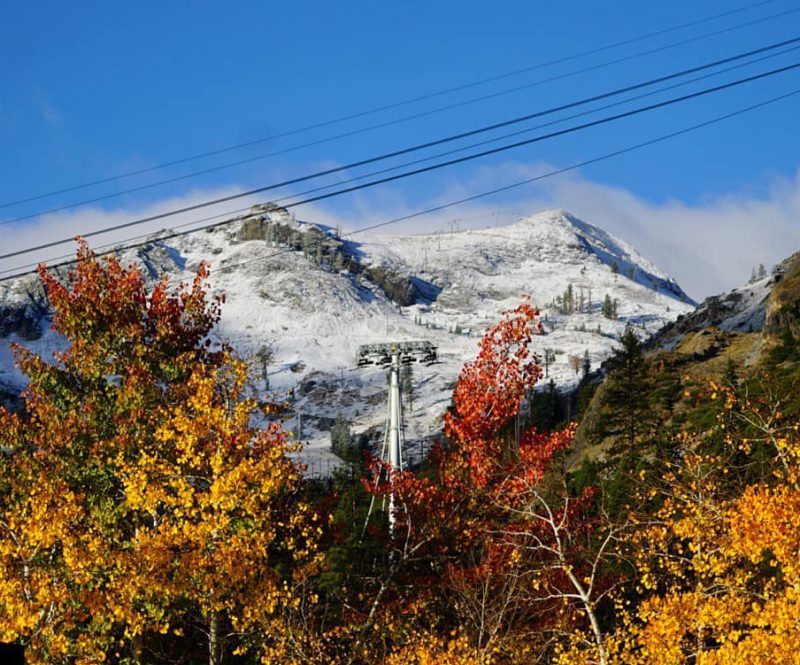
431 157
381 125
426 169
428 158
450 204
530 129
457 150
461 135
544 176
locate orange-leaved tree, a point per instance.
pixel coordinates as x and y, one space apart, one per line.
139 508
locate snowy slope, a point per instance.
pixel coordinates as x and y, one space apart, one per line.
740 310
315 316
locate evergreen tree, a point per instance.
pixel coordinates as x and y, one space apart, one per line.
265 356
762 271
341 439
319 256
544 408
407 383
608 307
625 410
731 379
587 364
568 300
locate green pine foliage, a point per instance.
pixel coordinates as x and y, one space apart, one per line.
341 440
626 415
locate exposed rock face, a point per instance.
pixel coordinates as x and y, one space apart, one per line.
24 316
21 320
742 310
783 309
398 287
324 248
770 306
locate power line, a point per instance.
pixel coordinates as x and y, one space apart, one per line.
527 130
389 123
436 155
448 139
544 176
450 204
474 197
426 169
562 132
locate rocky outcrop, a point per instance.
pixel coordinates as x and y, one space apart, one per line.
20 320
275 226
25 316
397 287
783 308
742 310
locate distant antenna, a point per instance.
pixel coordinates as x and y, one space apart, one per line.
393 355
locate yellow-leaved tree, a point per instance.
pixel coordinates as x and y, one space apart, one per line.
141 511
719 561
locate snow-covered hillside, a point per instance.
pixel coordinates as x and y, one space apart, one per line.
745 309
314 298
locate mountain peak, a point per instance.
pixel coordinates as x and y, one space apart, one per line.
315 297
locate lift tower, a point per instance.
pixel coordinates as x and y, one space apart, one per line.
392 356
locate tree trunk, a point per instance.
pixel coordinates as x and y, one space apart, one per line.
214 645
590 613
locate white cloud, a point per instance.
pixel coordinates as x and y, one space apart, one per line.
68 224
49 114
708 247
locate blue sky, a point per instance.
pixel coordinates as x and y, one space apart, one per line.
92 89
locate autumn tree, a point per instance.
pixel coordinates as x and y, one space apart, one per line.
717 557
139 509
511 546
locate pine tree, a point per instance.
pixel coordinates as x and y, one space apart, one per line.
544 410
569 300
608 307
625 410
762 271
731 379
341 438
407 384
319 256
265 356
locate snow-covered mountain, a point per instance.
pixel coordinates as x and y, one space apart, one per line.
313 298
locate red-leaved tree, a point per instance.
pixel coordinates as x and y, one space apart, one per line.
494 534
